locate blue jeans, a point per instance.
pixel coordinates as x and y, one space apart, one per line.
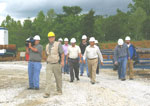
34 73
122 63
66 66
82 66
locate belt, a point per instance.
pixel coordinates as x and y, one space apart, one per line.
51 63
34 61
91 58
73 58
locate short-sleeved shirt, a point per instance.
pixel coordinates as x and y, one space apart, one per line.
83 46
65 48
36 56
74 52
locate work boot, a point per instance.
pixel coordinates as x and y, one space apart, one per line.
46 95
81 74
71 80
58 93
123 79
36 88
92 83
131 78
30 88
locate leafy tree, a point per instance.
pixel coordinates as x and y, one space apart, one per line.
87 23
74 10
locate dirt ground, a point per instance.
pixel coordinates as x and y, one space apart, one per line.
108 90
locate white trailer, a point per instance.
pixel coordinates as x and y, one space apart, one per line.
3 39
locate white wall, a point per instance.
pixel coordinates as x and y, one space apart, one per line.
3 38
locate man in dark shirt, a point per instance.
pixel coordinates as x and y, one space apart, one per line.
83 45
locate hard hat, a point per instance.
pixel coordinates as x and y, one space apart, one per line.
36 37
92 39
120 42
66 40
127 38
73 40
84 37
96 41
27 39
51 34
60 39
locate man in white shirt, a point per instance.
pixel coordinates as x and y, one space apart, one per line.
74 53
92 53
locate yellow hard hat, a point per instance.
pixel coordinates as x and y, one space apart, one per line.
51 34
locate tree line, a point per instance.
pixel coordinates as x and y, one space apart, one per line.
72 23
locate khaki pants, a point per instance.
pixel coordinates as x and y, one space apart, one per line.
92 66
130 68
53 69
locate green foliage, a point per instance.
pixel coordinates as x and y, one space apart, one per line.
135 23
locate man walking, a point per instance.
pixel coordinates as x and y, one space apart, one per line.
83 45
65 48
133 54
92 53
53 68
121 54
74 53
34 64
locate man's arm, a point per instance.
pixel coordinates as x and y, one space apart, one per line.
115 56
27 50
61 51
85 55
100 55
32 48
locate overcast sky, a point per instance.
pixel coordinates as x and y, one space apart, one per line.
21 9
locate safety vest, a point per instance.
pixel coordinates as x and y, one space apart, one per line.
53 55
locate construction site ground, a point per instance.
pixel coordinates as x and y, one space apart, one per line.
108 90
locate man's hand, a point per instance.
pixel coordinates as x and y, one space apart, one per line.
102 63
116 62
62 63
66 61
80 61
84 62
30 45
128 58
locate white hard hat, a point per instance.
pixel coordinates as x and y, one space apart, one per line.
36 37
96 41
27 39
92 39
73 40
66 40
84 37
120 41
60 39
127 38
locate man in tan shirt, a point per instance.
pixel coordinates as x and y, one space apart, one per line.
53 68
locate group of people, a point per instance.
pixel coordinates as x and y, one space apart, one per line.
69 58
124 55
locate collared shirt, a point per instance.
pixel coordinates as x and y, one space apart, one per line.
121 52
92 52
74 51
36 56
128 45
65 48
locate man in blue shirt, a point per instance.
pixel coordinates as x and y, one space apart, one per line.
133 54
